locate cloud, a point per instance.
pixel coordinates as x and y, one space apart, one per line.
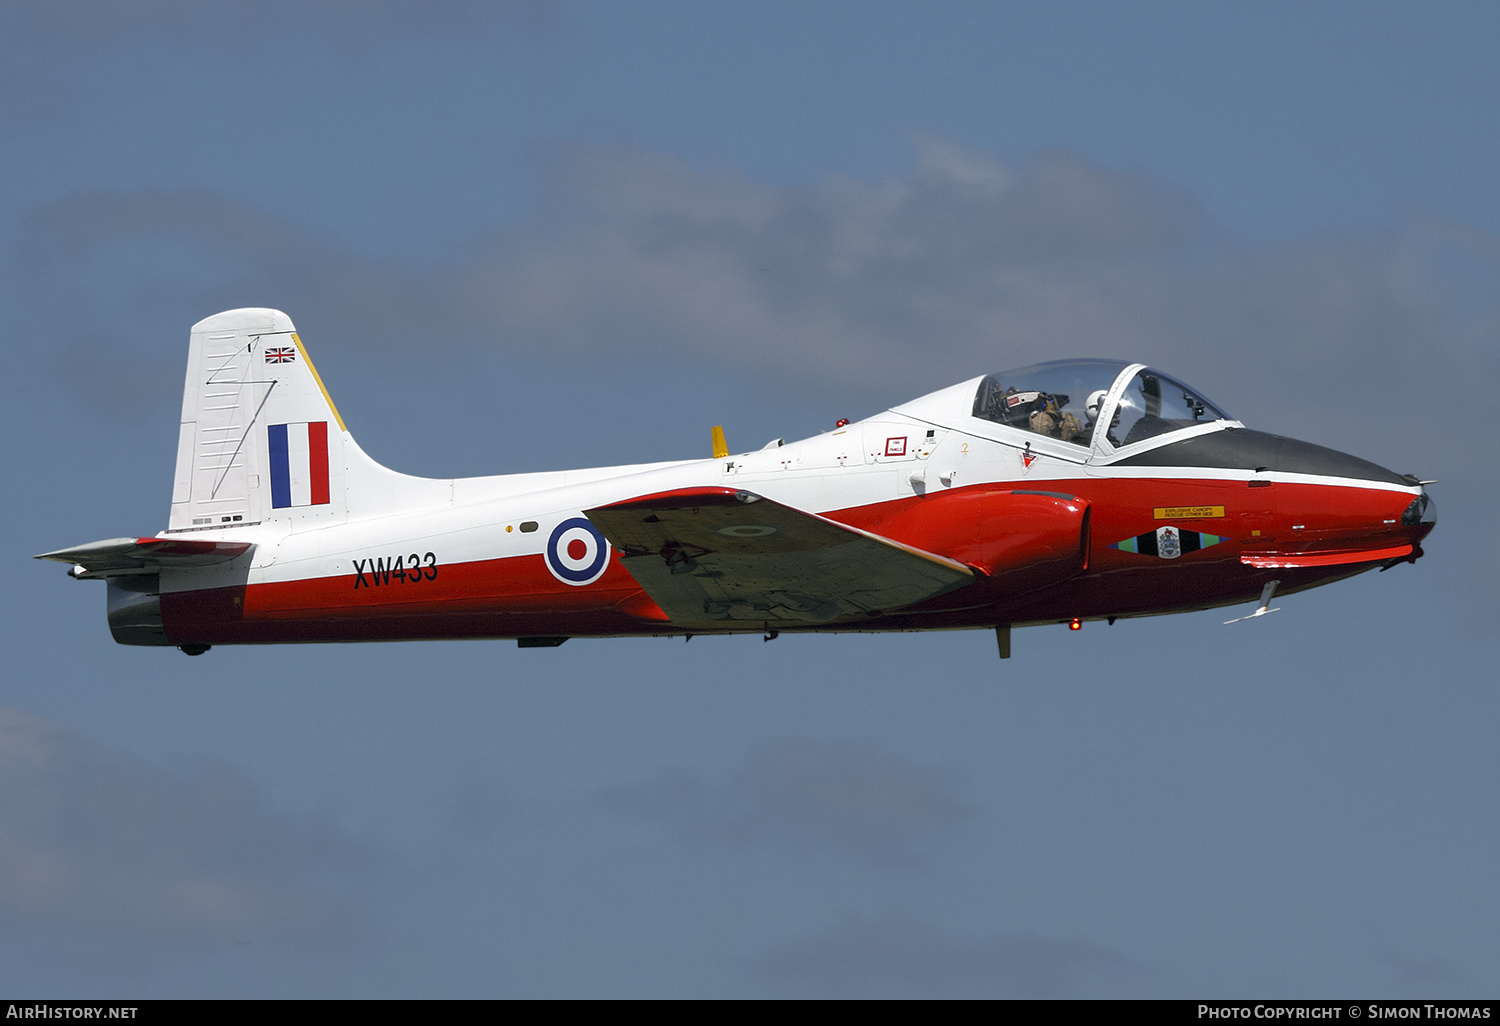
110 859
898 955
852 798
961 266
868 283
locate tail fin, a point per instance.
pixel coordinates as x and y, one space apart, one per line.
260 439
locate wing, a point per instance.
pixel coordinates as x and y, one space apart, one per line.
119 556
717 557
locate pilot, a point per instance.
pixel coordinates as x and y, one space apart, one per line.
1068 428
1047 419
1095 404
1043 418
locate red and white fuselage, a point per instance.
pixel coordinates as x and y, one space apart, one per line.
1083 489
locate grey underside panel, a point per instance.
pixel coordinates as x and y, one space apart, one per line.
817 586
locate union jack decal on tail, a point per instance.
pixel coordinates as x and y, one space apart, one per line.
281 354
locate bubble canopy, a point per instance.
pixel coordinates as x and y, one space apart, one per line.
1069 400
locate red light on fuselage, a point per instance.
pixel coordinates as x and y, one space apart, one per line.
1075 624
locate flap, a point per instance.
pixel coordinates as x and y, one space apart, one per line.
717 557
118 556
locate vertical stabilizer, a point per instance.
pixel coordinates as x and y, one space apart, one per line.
259 439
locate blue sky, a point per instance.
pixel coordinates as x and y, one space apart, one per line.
539 235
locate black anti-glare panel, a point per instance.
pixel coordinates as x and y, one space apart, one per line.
1243 449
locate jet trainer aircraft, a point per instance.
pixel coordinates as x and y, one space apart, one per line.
1058 493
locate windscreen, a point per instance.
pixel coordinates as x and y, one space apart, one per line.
1153 404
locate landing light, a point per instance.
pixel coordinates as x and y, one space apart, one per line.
1075 624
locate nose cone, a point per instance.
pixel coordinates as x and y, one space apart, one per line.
1421 514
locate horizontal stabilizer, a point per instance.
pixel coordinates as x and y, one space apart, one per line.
120 556
1277 560
717 557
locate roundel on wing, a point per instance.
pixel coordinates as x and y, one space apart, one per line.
748 530
576 552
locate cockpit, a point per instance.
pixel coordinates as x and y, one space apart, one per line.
1103 404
